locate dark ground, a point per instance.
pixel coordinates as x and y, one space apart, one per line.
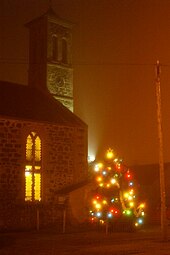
93 242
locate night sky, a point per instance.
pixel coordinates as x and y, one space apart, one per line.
116 44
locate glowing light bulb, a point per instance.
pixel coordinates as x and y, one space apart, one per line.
102 221
97 167
142 205
126 195
128 212
140 221
128 175
113 181
131 192
131 204
109 154
98 206
118 166
98 214
109 215
99 179
130 198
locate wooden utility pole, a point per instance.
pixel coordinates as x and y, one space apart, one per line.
161 160
64 220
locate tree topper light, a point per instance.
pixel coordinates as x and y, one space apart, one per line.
110 154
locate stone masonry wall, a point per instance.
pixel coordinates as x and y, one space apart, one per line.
11 161
64 154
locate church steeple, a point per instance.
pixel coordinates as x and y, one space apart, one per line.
50 56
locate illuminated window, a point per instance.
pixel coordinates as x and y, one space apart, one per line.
54 48
64 51
33 168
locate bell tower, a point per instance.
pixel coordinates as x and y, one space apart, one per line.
50 57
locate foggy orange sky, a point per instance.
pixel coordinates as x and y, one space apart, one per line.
116 44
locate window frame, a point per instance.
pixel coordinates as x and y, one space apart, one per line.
33 168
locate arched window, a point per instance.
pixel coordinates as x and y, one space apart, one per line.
64 51
54 48
33 168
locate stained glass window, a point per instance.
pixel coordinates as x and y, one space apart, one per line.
33 168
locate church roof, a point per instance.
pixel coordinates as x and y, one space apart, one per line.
29 103
73 187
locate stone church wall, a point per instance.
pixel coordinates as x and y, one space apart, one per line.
64 157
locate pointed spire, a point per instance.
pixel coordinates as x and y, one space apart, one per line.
50 4
50 11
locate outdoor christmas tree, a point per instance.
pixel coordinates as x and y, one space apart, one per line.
115 198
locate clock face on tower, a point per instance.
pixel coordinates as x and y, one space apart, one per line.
60 81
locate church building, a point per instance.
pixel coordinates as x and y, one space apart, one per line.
43 144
